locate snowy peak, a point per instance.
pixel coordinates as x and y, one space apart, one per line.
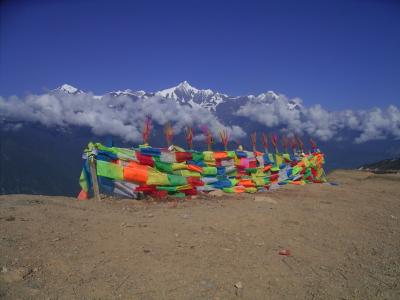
182 90
184 93
129 92
69 89
185 86
268 96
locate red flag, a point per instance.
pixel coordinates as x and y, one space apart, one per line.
146 129
224 138
253 137
189 137
169 133
313 144
209 138
274 141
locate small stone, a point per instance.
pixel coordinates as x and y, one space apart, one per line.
216 193
285 252
10 218
239 289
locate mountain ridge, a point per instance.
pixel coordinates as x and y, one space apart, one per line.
186 94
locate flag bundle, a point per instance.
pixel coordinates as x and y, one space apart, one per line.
160 171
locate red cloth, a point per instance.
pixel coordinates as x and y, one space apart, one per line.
274 177
83 195
146 188
158 194
190 192
314 172
195 181
145 159
183 156
252 164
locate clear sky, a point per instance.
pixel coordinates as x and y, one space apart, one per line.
342 54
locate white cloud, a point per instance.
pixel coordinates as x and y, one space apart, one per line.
124 117
322 124
119 116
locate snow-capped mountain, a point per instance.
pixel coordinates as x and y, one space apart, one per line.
129 92
186 94
69 89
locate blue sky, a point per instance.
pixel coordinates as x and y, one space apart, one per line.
342 54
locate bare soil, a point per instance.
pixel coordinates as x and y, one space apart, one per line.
343 241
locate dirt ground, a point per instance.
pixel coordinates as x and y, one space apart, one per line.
344 243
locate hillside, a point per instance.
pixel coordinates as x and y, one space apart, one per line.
343 242
384 166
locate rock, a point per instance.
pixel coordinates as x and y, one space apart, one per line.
10 218
15 275
238 289
265 199
217 193
285 252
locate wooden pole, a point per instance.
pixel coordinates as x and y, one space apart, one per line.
93 174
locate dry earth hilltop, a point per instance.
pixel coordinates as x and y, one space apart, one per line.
344 243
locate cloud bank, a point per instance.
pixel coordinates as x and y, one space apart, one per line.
124 116
315 121
120 116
